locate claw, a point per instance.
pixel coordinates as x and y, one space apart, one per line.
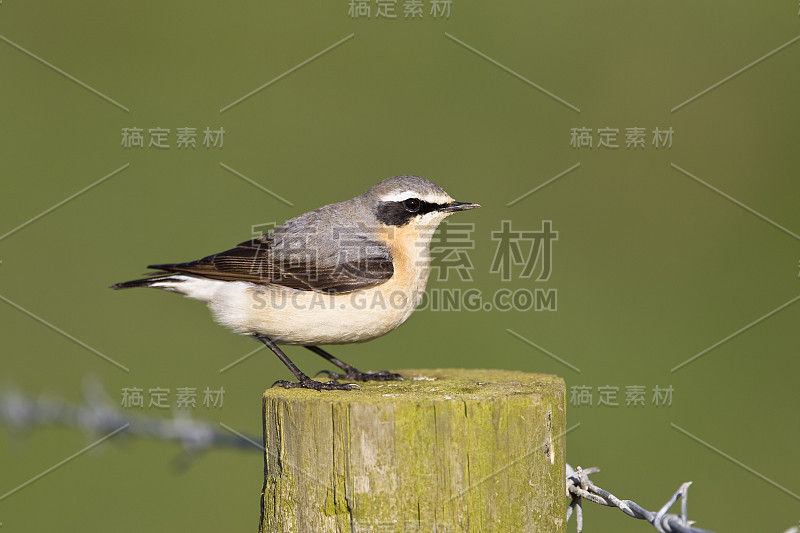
316 385
356 375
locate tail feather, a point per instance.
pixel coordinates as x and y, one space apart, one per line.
155 282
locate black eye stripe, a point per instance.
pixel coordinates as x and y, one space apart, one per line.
426 207
396 213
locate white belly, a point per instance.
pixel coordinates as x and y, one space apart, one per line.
290 316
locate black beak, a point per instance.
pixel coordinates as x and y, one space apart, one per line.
452 207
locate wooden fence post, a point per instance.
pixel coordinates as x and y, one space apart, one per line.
444 451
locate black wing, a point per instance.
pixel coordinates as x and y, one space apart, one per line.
350 263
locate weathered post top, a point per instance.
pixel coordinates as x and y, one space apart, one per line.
444 451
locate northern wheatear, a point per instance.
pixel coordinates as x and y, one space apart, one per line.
346 272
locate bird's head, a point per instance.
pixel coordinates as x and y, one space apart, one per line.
403 200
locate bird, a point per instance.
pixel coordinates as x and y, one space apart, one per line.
347 272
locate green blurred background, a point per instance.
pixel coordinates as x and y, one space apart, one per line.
650 268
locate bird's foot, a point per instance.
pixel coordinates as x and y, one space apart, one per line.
357 375
309 383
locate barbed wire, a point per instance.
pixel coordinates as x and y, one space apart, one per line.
580 488
98 415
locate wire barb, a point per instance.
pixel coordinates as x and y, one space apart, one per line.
579 487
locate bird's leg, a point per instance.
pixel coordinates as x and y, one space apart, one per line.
352 372
303 381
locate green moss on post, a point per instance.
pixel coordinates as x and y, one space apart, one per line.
444 451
